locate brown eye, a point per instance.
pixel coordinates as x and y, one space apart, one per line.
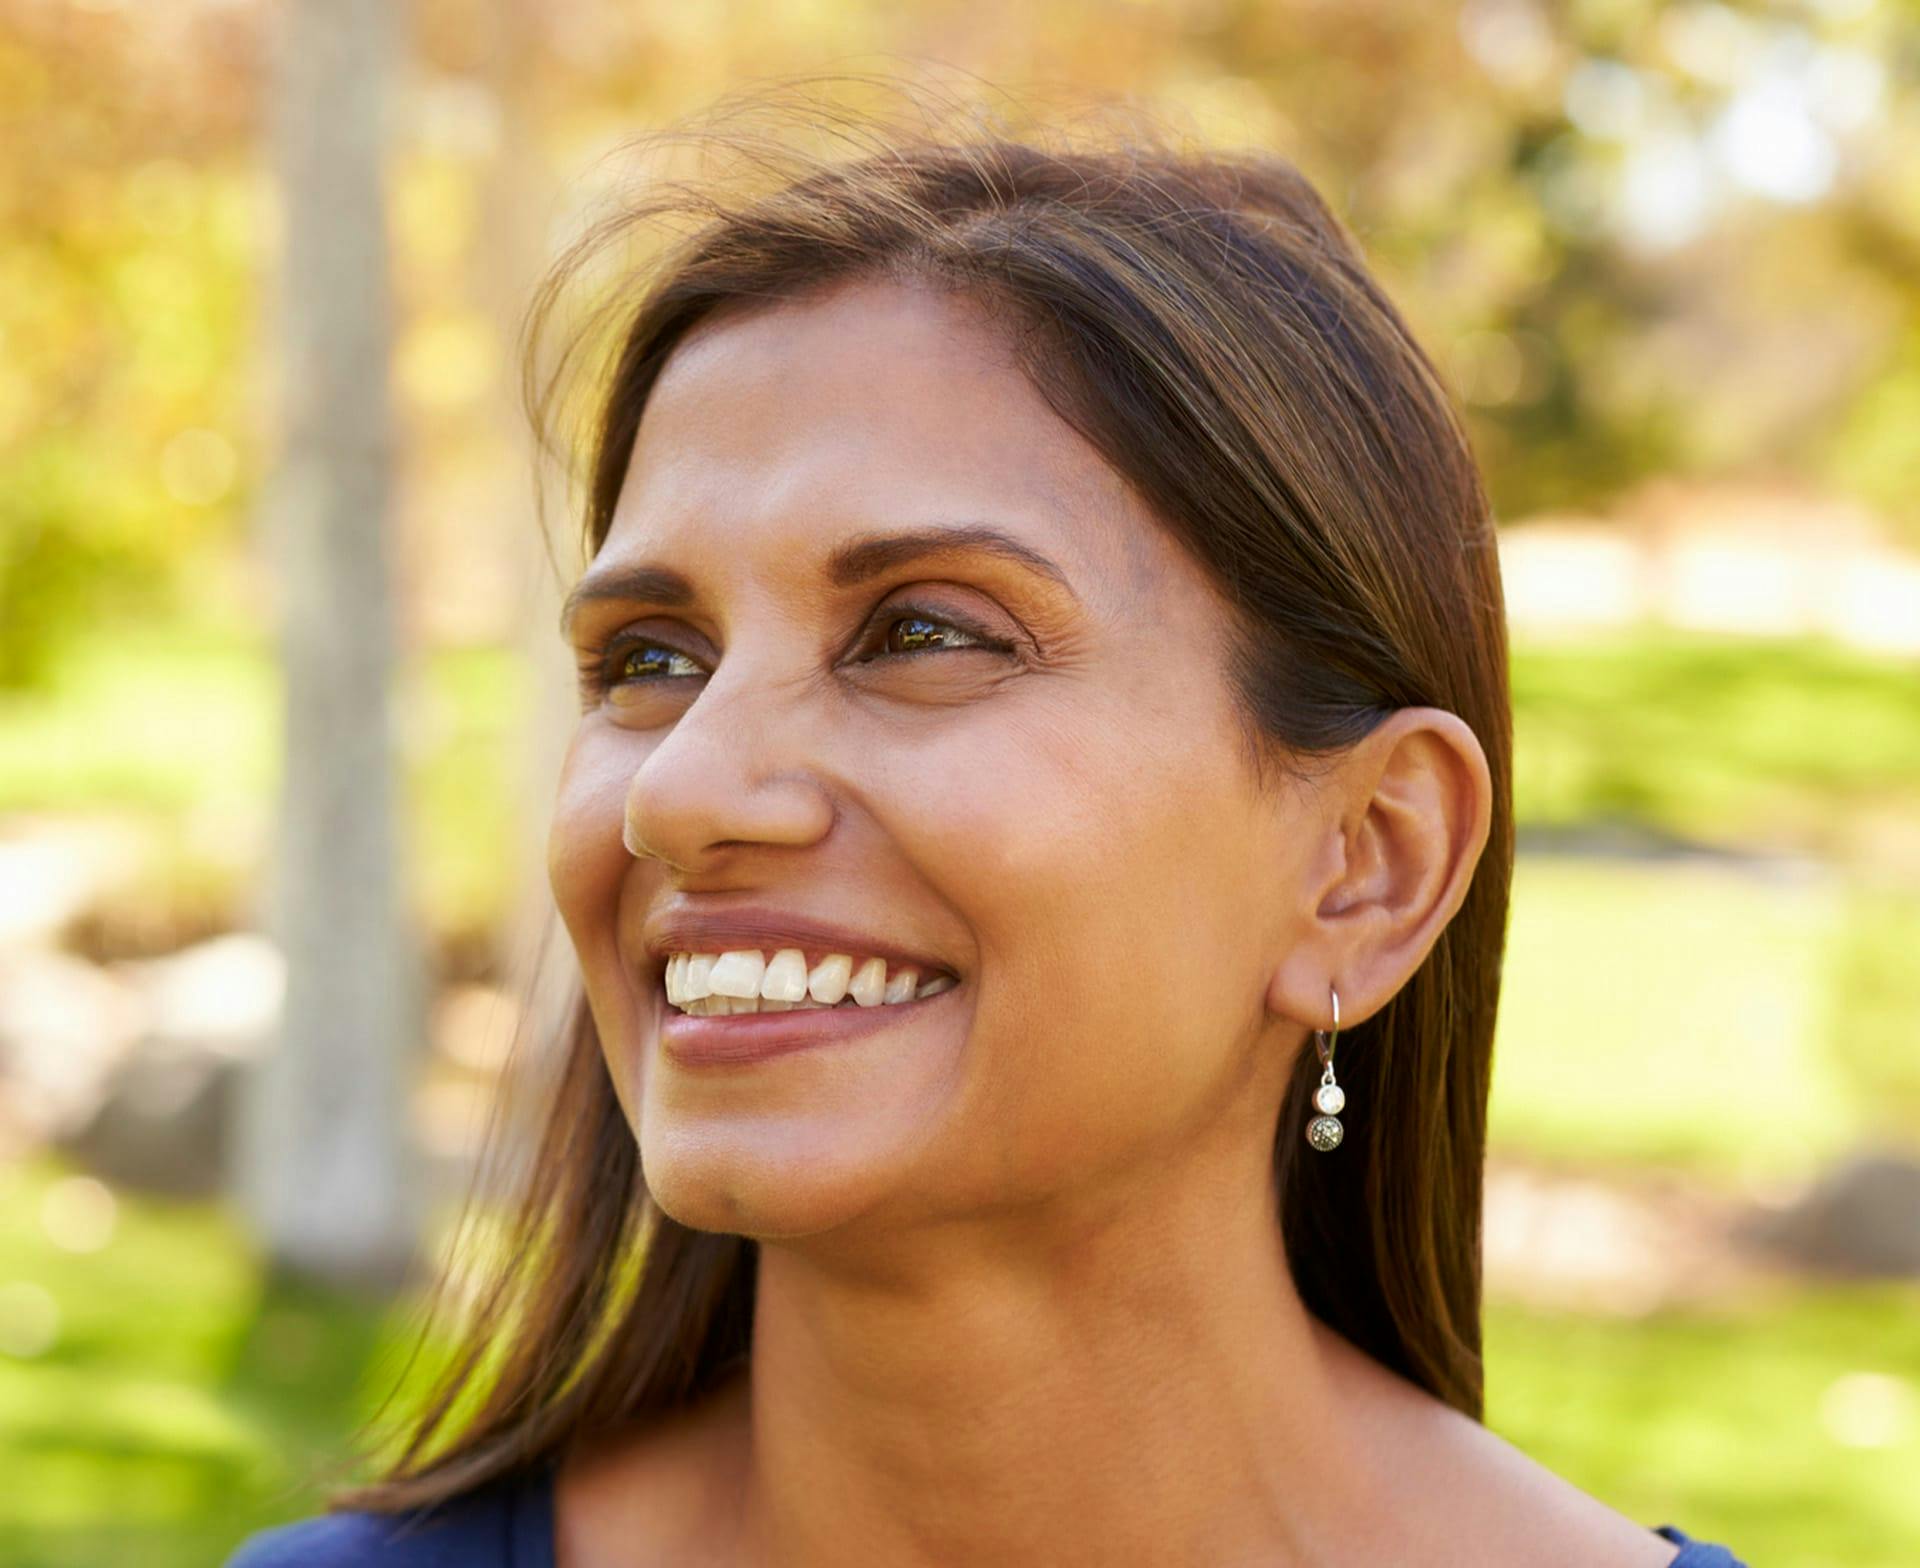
649 661
914 631
633 661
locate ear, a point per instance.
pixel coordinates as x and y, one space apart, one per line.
1408 812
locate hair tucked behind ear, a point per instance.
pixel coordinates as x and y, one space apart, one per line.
1212 329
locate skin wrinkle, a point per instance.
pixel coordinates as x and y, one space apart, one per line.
1022 1294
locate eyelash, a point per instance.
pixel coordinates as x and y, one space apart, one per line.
597 664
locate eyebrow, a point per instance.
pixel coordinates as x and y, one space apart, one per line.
857 561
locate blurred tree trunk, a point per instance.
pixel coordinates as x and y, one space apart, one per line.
324 1152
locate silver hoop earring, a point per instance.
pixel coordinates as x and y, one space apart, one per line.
1324 1132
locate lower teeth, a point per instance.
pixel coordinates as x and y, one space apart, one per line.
703 1008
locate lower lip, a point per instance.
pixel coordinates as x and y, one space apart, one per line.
737 1038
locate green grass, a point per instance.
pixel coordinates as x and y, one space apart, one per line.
1787 1429
1873 1007
1724 740
1706 1017
186 1398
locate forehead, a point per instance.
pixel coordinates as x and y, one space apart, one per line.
874 405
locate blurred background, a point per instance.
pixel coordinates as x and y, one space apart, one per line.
281 701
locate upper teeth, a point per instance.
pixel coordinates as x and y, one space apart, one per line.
745 980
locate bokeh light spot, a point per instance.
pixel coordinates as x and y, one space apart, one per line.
78 1213
198 467
29 1319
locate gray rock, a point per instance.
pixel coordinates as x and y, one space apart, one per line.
1862 1217
161 1122
162 1125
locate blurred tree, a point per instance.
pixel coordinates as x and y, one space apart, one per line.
1639 237
325 1144
126 240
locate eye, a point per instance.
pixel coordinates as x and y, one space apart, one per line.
925 633
629 658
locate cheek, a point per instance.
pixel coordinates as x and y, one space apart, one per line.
589 870
586 860
1083 842
1107 883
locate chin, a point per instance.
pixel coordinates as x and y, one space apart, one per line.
770 1183
820 1141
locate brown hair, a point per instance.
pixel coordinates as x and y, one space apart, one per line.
1206 322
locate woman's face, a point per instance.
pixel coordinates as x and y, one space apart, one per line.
1031 776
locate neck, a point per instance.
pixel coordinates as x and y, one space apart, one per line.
1134 1381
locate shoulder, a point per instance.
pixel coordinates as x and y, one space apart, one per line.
1466 1486
505 1524
1523 1504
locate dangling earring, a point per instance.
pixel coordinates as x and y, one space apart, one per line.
1324 1131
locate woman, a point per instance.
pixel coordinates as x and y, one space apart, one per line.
1043 609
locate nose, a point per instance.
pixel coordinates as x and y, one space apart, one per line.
739 767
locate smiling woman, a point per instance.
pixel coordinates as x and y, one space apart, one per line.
1043 710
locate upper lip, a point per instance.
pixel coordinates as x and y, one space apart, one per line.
716 931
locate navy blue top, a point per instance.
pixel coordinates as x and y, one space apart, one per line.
509 1524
